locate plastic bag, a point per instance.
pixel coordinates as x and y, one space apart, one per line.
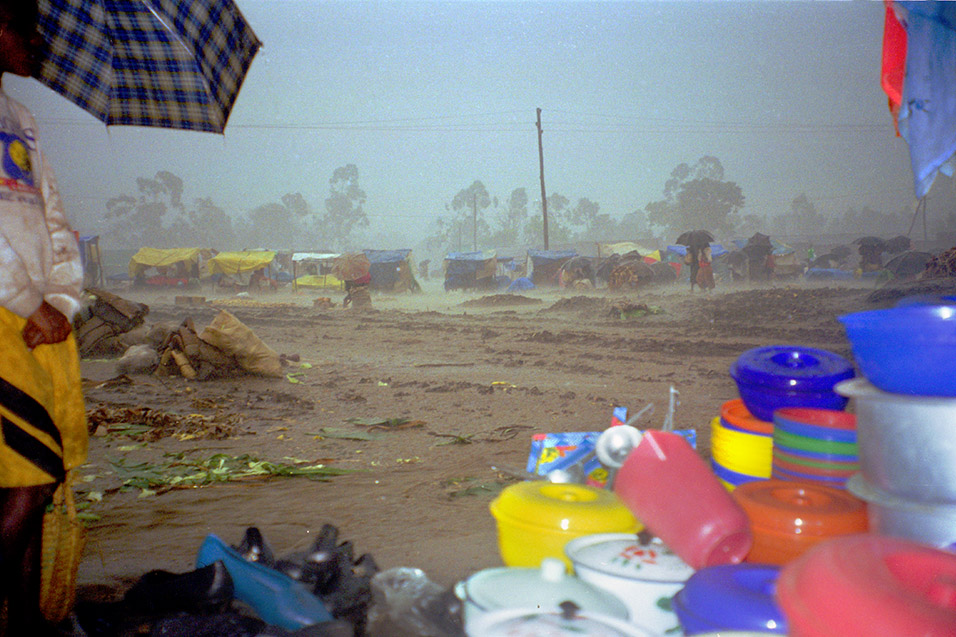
405 603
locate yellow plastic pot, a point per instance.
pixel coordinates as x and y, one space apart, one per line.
536 519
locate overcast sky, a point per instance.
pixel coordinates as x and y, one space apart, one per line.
426 97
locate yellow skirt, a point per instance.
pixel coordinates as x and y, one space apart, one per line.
42 416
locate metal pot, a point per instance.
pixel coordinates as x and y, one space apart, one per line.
906 443
544 588
926 522
643 575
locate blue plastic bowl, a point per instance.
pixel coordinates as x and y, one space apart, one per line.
906 350
769 378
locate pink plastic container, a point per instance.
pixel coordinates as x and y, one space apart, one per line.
673 492
870 585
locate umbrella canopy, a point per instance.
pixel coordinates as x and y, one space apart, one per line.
909 263
760 239
351 266
869 242
695 238
157 63
898 244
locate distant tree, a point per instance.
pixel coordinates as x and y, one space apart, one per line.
697 197
343 208
138 220
278 225
468 207
748 225
584 214
802 218
558 230
633 226
510 222
210 226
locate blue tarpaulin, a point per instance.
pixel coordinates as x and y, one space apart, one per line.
387 256
927 117
385 269
470 270
550 256
716 250
520 284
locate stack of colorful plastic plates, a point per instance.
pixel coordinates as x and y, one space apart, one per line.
741 446
814 445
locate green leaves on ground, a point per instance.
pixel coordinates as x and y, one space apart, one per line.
386 423
180 471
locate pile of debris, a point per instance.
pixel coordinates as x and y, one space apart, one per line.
226 347
630 274
149 425
102 321
942 265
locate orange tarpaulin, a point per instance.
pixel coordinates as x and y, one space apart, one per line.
894 62
351 266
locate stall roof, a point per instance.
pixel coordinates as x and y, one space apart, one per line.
482 255
314 256
387 256
237 262
147 258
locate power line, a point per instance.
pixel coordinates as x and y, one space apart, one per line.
624 124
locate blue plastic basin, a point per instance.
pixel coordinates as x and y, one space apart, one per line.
909 349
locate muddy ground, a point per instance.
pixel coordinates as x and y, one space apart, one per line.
470 378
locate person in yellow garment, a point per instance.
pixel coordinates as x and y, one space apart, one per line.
42 420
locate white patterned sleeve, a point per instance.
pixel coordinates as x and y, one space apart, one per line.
65 281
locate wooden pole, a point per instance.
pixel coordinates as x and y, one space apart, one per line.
544 197
920 207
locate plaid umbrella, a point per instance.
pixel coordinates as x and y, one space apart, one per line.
162 63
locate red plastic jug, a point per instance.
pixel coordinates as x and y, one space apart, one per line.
669 488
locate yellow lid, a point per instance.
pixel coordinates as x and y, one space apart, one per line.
568 507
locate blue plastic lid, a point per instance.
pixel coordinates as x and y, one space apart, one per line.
791 368
733 597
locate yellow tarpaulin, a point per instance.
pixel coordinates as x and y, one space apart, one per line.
147 258
622 248
239 262
321 281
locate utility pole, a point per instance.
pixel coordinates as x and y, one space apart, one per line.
474 222
544 197
920 207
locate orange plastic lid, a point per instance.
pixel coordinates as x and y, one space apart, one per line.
801 508
736 414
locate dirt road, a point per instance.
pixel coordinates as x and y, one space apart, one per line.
466 379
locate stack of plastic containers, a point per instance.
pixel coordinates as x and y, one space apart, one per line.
906 419
741 445
814 445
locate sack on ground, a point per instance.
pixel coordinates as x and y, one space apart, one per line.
228 334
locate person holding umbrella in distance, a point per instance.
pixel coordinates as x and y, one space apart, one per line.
42 418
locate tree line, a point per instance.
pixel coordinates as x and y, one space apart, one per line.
694 196
156 215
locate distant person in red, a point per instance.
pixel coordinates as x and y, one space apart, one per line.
42 418
357 293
